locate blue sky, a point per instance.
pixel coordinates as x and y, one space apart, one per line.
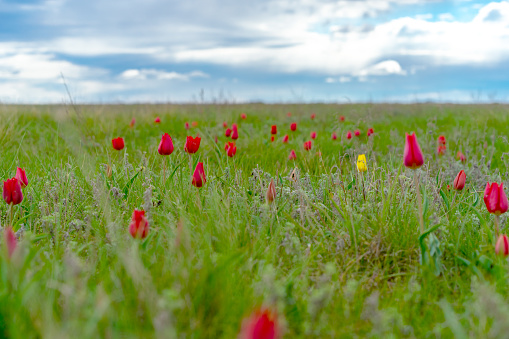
242 51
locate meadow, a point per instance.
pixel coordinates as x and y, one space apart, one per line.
338 253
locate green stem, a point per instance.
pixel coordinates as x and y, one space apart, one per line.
419 201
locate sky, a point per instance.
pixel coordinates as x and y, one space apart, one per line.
152 51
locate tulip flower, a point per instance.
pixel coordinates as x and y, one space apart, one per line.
139 225
495 201
186 125
262 324
357 133
313 135
502 246
231 149
133 121
289 114
441 150
341 118
293 126
459 181
10 240
271 192
194 124
441 140
461 156
22 177
292 155
235 133
412 157
228 132
362 163
307 145
157 120
118 143
273 129
243 116
285 139
225 125
272 139
12 193
371 130
192 144
313 116
349 135
199 176
368 133
166 145
334 136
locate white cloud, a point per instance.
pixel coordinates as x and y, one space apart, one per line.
147 74
388 67
425 17
446 17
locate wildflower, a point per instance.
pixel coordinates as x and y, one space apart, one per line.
461 156
334 136
192 144
225 125
495 198
194 124
199 175
273 129
293 126
313 115
271 192
357 132
157 120
362 163
131 124
441 150
289 114
285 139
292 155
341 118
235 132
412 157
12 193
166 145
22 177
231 149
262 324
307 145
139 225
502 246
441 140
349 135
459 181
243 116
10 240
228 132
186 125
313 135
118 143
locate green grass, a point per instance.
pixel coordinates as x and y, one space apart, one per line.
336 256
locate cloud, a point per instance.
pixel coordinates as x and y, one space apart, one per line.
147 74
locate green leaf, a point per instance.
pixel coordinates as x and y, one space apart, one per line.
445 199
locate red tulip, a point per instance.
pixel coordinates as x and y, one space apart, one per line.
341 118
292 155
194 124
231 149
215 139
22 177
187 125
273 129
228 132
118 143
313 116
313 135
461 156
243 116
285 139
495 198
199 175
133 121
225 125
412 157
459 181
289 114
192 144
368 134
441 140
139 225
10 240
349 135
357 133
271 192
157 120
293 126
235 132
307 145
166 145
371 130
272 139
12 193
441 150
334 136
502 246
262 324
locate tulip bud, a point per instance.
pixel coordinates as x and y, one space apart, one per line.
461 156
341 118
166 145
362 163
502 246
139 225
412 157
273 129
371 130
262 324
225 125
231 149
186 125
292 155
334 136
192 144
313 135
357 133
157 120
285 139
289 114
133 121
307 145
199 176
243 116
12 193
441 150
10 240
271 192
495 198
349 135
118 143
293 126
313 116
441 140
228 132
194 124
235 132
22 177
459 181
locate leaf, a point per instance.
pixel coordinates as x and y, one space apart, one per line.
445 199
130 182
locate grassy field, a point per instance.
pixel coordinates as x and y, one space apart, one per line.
337 255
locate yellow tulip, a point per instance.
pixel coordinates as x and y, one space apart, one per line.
361 163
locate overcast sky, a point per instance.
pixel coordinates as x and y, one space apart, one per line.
256 50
